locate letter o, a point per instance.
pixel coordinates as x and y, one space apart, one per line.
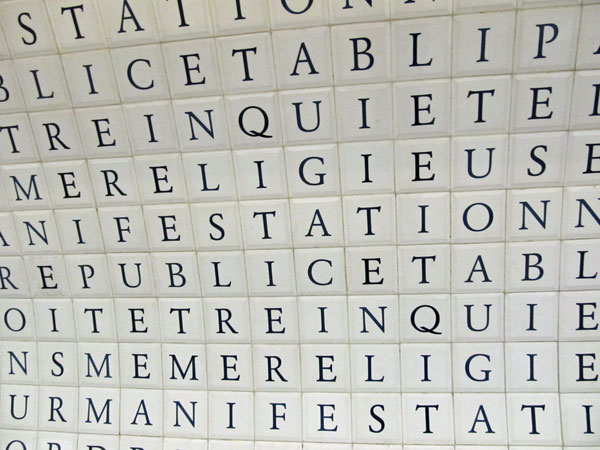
6 320
490 218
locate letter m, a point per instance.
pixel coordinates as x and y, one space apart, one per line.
91 410
91 365
183 373
32 188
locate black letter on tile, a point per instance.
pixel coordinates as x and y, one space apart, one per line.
541 42
131 16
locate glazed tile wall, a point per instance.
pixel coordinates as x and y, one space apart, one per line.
299 224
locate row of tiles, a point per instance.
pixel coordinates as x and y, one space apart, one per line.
353 113
426 318
460 268
420 167
350 54
146 73
39 27
474 367
498 419
42 441
376 220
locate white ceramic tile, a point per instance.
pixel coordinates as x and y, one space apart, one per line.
123 229
37 232
298 13
88 275
112 180
12 99
320 274
528 423
533 214
434 368
222 274
423 165
76 27
156 118
532 267
364 113
312 170
192 68
402 9
478 216
129 22
169 227
314 112
209 176
266 224
361 53
140 73
237 17
538 161
10 241
43 83
285 224
424 268
422 48
4 52
26 186
479 43
342 11
485 105
328 319
131 274
485 5
422 423
423 218
162 178
540 101
177 274
543 37
536 322
246 63
540 3
90 78
257 121
79 230
366 168
422 108
478 317
17 137
260 173
27 28
369 220
317 223
71 186
490 406
201 124
182 20
587 55
302 60
56 135
103 131
584 109
372 270
531 367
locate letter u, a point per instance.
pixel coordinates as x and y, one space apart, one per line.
12 407
124 276
470 152
487 318
317 104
